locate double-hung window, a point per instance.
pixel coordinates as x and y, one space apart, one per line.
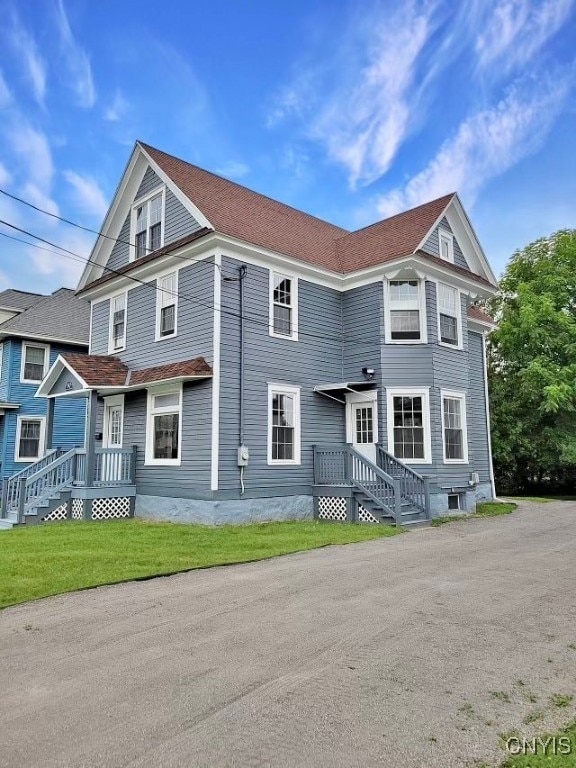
117 340
34 362
164 426
30 438
455 439
283 424
449 314
406 316
446 245
409 425
283 306
166 305
148 220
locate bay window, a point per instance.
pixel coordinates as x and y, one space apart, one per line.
449 315
406 316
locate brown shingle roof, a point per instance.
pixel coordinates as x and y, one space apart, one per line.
478 314
108 371
385 240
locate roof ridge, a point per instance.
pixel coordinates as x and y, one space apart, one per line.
450 195
244 187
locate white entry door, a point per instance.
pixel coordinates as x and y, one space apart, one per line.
362 423
113 424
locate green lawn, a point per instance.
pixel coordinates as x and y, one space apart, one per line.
543 499
558 743
488 509
61 557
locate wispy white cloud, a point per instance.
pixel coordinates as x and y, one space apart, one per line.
79 74
40 198
66 268
26 48
5 177
117 109
233 170
88 196
5 95
486 144
32 148
515 30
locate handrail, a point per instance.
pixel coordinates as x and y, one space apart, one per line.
413 487
11 486
377 484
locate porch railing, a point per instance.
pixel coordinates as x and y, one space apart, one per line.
58 470
343 465
413 487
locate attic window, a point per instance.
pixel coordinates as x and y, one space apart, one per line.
148 224
446 245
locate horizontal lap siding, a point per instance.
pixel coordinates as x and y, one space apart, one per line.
432 245
5 353
193 474
100 326
310 361
477 431
178 222
194 324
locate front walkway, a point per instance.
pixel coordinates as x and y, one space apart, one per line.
412 651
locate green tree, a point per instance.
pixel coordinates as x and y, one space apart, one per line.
532 367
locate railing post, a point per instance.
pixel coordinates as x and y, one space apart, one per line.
74 467
133 465
397 503
21 498
348 465
315 464
4 510
90 437
427 509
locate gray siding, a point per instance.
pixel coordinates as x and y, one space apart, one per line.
178 221
431 245
100 328
477 432
195 320
312 360
192 477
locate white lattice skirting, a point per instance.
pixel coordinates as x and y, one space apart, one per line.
57 514
364 516
331 508
109 509
77 509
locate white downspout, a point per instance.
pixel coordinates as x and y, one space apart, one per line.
487 403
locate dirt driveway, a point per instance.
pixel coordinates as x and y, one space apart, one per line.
412 651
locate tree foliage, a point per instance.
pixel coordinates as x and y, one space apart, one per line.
532 367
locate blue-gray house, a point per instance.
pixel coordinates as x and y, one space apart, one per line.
252 361
34 331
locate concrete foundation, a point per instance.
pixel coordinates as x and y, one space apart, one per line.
468 500
232 512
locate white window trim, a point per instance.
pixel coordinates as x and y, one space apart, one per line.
111 402
443 234
424 393
462 397
46 348
460 344
285 389
159 293
150 413
42 444
421 307
294 306
136 204
111 349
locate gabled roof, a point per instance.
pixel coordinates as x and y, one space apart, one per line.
385 240
62 316
18 300
475 313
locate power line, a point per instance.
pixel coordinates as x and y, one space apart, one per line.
66 253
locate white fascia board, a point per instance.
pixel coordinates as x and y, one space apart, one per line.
464 232
43 339
435 225
186 202
480 326
56 369
427 269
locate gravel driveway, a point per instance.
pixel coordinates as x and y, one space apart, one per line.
412 651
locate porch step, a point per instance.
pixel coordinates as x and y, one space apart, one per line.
411 515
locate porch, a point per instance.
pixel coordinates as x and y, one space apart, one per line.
97 484
348 487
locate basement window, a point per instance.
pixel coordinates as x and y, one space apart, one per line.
454 501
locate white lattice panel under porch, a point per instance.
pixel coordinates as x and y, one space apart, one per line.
364 516
57 514
108 509
77 509
331 508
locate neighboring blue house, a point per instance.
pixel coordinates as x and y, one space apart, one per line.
34 331
253 362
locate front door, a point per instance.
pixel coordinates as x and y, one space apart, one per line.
110 462
362 423
113 418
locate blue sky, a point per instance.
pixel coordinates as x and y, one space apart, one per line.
349 110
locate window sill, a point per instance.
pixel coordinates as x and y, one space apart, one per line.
407 342
286 463
35 382
293 337
456 461
162 462
115 351
450 346
27 460
165 338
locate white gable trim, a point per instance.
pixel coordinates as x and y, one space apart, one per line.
465 236
52 376
121 207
